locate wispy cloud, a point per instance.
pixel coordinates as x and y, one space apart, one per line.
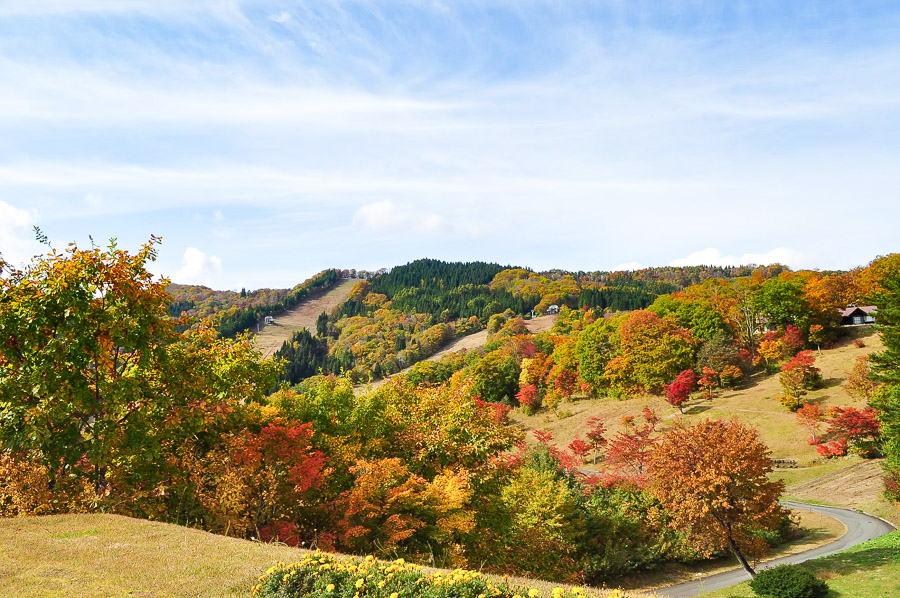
576 134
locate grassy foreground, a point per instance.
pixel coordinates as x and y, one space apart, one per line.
93 556
869 570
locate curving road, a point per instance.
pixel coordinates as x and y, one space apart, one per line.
860 528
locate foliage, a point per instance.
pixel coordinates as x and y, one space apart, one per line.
653 351
678 392
857 428
800 375
810 417
629 453
390 510
788 581
713 479
321 574
708 382
887 402
529 398
233 313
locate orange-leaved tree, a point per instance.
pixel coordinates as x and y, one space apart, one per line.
712 479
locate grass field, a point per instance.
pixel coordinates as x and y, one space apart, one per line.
870 570
94 556
103 556
848 482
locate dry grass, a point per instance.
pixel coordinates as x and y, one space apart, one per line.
754 405
93 556
107 555
301 316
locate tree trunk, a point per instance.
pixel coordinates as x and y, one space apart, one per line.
740 557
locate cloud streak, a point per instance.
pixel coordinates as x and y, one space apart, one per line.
579 135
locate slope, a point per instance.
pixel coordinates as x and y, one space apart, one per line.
302 315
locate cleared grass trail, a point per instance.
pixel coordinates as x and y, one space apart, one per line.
301 316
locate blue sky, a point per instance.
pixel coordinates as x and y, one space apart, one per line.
265 141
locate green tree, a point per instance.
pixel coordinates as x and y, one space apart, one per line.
94 376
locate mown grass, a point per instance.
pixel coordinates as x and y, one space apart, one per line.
869 570
102 556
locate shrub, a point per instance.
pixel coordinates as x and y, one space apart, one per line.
321 574
791 402
788 581
838 448
860 343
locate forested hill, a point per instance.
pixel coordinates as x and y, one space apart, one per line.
435 273
232 312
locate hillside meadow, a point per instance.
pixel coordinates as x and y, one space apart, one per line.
103 556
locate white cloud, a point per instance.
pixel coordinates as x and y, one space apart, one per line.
94 200
387 216
17 245
218 217
197 267
713 257
282 17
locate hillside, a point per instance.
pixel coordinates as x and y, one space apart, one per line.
97 556
302 316
94 556
847 482
469 342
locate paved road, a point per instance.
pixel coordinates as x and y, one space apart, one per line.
860 528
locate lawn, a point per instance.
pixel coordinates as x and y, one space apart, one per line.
94 556
106 555
870 570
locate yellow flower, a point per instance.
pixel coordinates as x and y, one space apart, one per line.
359 583
532 592
395 595
329 587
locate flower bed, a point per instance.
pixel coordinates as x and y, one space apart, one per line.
321 575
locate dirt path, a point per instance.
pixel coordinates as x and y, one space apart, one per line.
301 316
472 341
855 486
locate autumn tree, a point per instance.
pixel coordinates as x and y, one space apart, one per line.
653 351
883 276
859 384
817 335
810 417
859 428
708 382
391 510
798 376
679 391
629 452
712 478
595 435
93 374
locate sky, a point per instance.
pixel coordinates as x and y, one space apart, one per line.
267 141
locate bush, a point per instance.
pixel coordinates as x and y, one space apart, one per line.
320 574
791 402
788 581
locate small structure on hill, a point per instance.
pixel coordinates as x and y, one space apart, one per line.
858 315
553 309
